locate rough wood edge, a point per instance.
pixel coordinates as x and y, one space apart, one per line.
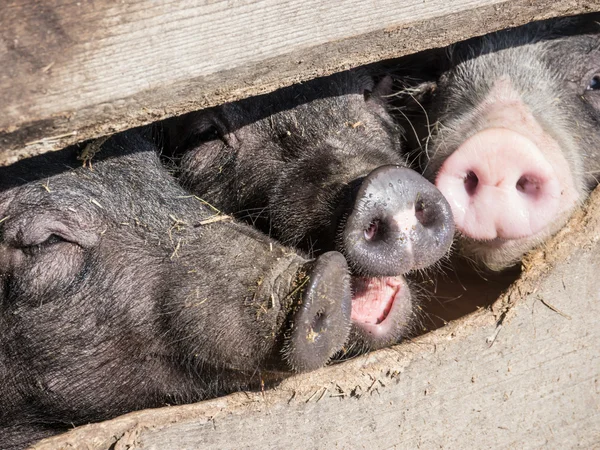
581 232
54 133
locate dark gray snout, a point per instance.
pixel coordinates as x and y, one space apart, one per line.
399 222
321 320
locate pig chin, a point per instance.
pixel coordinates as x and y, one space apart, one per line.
499 254
381 309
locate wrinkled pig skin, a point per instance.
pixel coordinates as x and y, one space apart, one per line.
509 130
319 166
119 291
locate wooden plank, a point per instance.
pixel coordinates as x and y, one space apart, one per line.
73 70
523 375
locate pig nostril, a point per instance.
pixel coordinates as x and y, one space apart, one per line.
318 323
528 185
420 212
471 182
371 232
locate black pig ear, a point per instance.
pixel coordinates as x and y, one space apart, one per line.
384 87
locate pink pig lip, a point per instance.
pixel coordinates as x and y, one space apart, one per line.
502 187
377 301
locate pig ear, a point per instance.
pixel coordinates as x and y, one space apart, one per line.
382 89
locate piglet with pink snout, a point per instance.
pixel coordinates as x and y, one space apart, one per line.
511 134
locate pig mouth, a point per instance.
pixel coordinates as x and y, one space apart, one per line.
378 303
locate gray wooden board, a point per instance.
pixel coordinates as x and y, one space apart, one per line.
74 70
533 382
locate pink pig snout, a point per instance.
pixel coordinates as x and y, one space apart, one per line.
500 185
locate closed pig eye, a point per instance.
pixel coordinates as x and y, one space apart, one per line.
199 137
51 240
39 267
209 134
34 236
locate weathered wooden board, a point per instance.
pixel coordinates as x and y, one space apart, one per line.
525 374
72 70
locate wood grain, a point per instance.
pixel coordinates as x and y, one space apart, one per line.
73 70
523 375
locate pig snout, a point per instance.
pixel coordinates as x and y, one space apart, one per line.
320 322
500 185
400 222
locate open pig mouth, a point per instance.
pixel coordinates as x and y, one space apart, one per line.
378 303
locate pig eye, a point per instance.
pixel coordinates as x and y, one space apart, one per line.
209 134
212 132
594 84
34 249
367 94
